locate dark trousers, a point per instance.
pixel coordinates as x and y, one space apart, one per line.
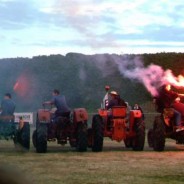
63 114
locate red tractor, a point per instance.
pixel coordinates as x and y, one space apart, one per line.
61 129
164 127
118 125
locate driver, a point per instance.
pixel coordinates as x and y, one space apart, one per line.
166 99
7 108
59 101
114 100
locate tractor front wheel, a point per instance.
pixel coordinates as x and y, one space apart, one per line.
98 135
26 136
41 138
159 134
139 139
34 138
22 137
82 141
150 137
128 143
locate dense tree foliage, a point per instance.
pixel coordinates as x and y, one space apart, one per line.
81 78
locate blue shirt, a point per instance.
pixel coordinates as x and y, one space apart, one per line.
8 107
60 102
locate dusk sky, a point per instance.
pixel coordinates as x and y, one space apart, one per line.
43 27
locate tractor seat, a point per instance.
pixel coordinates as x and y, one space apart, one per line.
119 112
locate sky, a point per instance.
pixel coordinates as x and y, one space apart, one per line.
44 27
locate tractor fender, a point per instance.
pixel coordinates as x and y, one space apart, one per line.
134 114
80 115
44 115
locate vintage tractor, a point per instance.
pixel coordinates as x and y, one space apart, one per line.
9 129
164 127
60 129
118 125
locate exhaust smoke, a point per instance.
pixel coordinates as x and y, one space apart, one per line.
152 76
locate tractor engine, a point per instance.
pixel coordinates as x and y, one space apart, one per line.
119 123
119 129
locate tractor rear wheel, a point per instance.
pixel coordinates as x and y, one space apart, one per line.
159 134
25 137
150 137
90 137
139 139
41 138
22 137
98 135
128 143
34 138
72 144
82 141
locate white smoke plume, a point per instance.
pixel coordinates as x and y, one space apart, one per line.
152 76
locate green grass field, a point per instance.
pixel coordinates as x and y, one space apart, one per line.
115 165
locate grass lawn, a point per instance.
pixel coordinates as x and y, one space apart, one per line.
115 165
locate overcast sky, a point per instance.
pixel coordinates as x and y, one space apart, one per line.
43 27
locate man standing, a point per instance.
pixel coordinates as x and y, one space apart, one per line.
60 102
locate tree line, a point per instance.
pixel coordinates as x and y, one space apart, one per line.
81 78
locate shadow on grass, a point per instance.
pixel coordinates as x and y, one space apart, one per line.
109 146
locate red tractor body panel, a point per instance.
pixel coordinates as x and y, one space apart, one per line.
80 115
44 115
117 124
119 132
119 112
103 112
134 114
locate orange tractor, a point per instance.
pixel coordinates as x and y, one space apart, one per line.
164 127
61 129
118 125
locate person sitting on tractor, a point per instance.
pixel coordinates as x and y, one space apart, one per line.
179 106
7 108
59 101
166 99
115 100
121 102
